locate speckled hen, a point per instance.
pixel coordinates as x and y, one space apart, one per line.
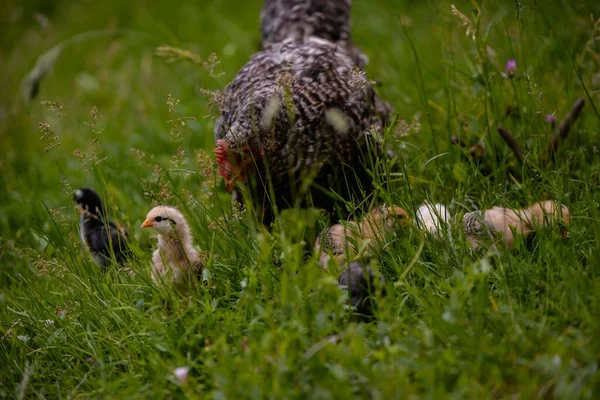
297 118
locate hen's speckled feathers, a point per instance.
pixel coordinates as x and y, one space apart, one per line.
307 110
300 19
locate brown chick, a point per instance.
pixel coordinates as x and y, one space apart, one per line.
175 261
337 240
496 220
545 214
373 226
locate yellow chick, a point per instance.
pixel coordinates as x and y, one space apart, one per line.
175 261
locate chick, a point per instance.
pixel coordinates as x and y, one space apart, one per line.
478 226
547 213
360 288
432 217
336 240
373 226
175 261
103 238
331 242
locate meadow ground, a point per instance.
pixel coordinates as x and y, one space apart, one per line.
455 323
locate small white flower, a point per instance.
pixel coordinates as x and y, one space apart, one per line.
181 374
556 360
448 317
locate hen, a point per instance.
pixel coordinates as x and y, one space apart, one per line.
296 120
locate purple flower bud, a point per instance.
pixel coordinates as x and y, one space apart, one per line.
551 119
511 68
181 374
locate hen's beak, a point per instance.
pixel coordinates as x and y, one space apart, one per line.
147 224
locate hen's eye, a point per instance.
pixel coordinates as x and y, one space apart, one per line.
158 219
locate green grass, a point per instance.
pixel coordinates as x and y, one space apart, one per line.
454 324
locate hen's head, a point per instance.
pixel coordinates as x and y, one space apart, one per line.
237 153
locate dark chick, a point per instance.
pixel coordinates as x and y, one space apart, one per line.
298 118
361 288
103 238
299 19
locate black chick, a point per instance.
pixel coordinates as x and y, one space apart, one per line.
360 289
103 238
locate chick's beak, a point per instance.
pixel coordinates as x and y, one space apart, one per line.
147 224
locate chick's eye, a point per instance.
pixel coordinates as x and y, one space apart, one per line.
158 219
